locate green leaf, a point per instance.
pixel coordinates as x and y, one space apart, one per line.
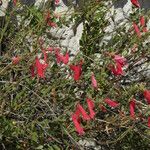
40 147
56 147
34 136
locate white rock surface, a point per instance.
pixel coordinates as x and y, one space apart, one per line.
3 7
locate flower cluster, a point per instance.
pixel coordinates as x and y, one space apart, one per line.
142 24
80 111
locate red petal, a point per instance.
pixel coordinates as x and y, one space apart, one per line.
62 58
117 69
57 2
137 30
103 108
77 69
94 82
142 21
51 24
145 29
15 2
48 16
50 49
91 107
40 68
111 103
149 122
136 3
119 59
15 60
147 96
85 116
77 125
65 58
132 108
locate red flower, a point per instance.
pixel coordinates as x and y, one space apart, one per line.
103 108
132 108
85 116
77 125
77 69
136 3
147 96
62 58
111 102
145 29
142 22
119 63
40 68
57 2
94 82
15 2
137 30
149 122
51 24
117 69
119 59
48 16
50 49
91 107
65 58
15 60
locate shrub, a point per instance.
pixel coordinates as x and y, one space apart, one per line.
48 98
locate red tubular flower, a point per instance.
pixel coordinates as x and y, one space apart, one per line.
62 58
142 21
132 108
48 17
117 69
85 116
77 69
111 103
119 59
40 68
50 49
136 3
52 24
94 82
65 58
15 2
102 108
149 122
143 24
15 60
57 2
145 29
146 94
91 107
77 125
137 30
